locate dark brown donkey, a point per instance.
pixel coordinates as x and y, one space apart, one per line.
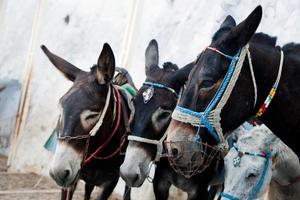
91 127
154 104
274 69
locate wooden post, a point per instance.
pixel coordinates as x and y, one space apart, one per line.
127 41
25 91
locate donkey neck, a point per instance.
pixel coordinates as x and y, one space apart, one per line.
282 115
287 164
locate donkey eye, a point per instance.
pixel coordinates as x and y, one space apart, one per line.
207 83
251 175
92 116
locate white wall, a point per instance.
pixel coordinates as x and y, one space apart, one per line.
182 29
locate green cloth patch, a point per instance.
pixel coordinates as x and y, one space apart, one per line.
129 89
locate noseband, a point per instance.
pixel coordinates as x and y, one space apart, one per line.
147 95
237 162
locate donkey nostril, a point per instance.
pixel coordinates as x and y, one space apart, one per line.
175 152
135 178
66 174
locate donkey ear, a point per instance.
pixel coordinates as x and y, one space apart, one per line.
69 70
151 56
180 76
105 65
228 22
243 32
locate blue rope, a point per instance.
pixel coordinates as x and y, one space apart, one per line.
262 178
228 196
158 85
224 84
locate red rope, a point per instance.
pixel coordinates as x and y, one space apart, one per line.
118 119
68 194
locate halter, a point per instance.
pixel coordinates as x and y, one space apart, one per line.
98 125
158 143
211 117
236 162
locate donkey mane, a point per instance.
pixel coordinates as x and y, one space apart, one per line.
265 39
291 48
169 66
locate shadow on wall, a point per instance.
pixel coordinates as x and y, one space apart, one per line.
10 93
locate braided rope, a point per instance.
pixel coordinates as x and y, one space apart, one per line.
253 77
214 115
272 92
158 143
161 86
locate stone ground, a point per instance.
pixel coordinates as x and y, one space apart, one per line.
30 186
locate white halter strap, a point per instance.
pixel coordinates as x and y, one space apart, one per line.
158 143
102 114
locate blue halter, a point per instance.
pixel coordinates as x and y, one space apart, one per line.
204 115
161 86
260 182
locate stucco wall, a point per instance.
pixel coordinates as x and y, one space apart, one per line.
182 29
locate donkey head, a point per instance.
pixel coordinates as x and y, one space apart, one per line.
152 114
204 81
81 107
243 171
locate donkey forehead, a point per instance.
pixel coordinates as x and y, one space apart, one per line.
159 75
83 95
247 161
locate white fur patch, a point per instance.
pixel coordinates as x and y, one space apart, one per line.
65 158
136 161
89 122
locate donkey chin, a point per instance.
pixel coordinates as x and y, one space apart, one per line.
135 167
66 164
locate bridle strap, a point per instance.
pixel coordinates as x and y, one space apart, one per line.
158 143
102 114
116 127
161 86
228 196
97 126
